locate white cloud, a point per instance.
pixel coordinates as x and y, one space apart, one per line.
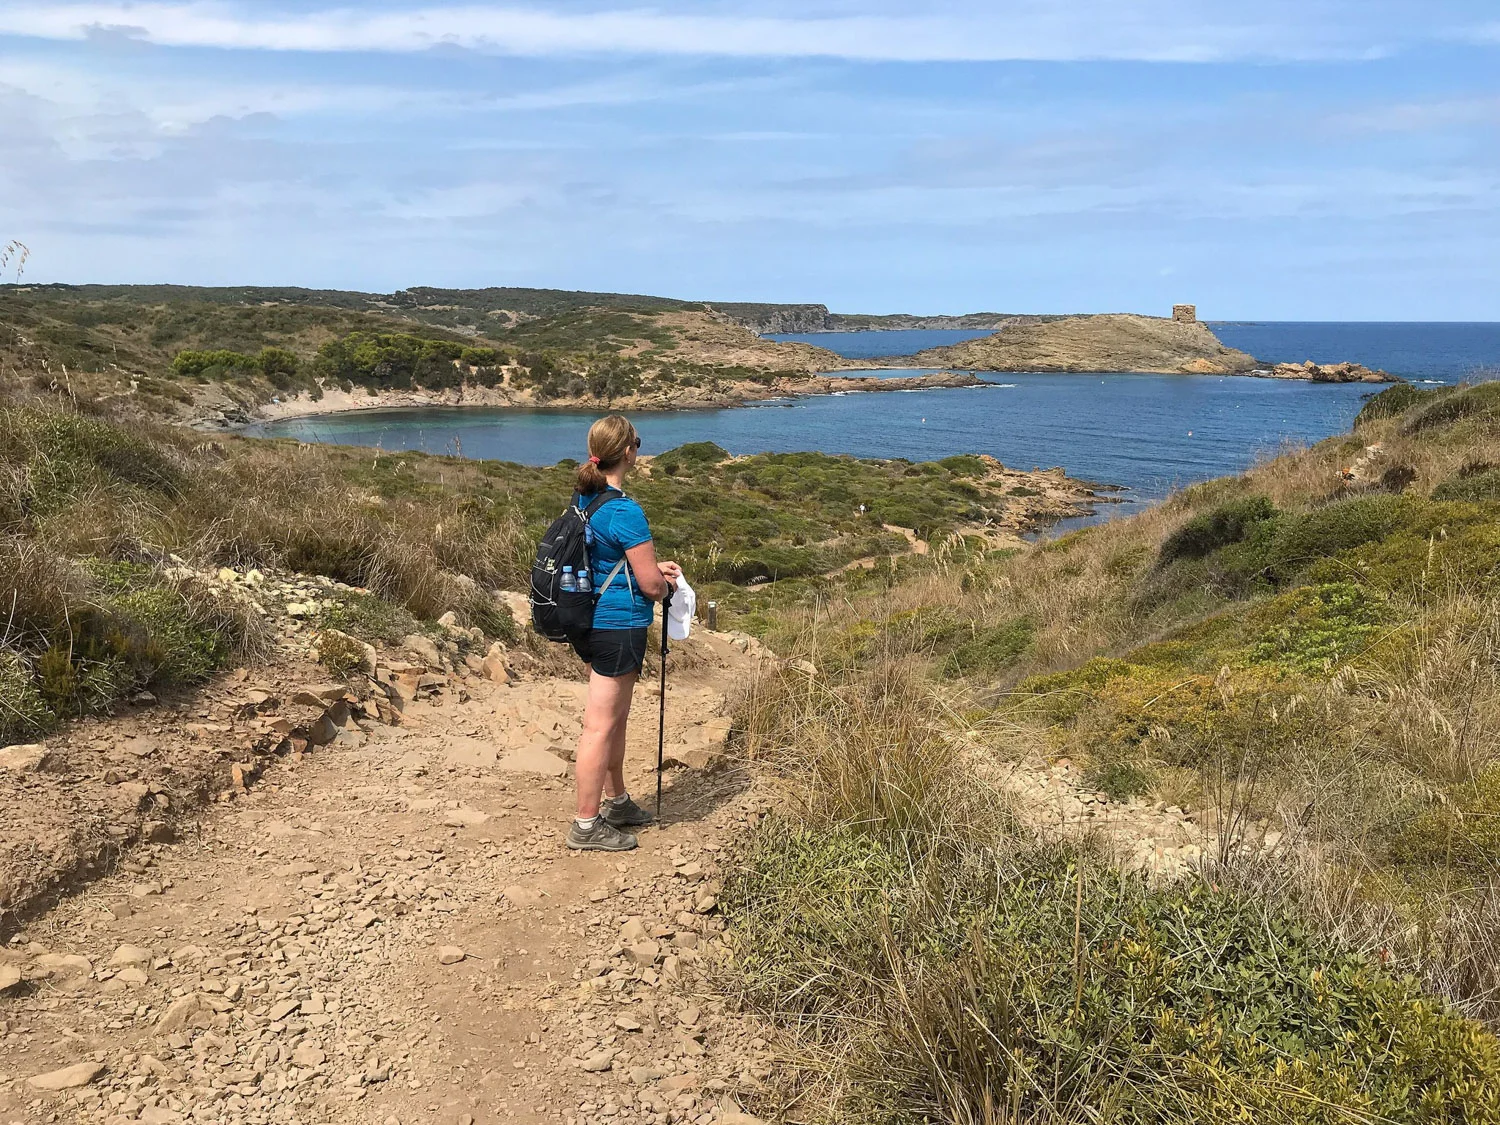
1159 31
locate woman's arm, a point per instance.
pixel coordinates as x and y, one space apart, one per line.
651 577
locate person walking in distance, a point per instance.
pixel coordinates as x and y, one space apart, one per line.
615 648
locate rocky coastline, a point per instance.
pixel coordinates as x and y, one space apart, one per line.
1325 373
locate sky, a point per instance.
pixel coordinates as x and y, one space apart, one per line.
1307 160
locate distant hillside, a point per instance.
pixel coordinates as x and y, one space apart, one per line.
463 309
222 354
1119 342
768 319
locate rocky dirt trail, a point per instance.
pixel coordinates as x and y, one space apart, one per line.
283 899
387 928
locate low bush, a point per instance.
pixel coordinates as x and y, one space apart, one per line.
950 988
1290 544
1313 629
1395 400
693 457
340 653
1462 832
24 713
1206 533
1477 482
89 635
1479 401
989 650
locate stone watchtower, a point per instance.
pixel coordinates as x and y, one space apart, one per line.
1187 314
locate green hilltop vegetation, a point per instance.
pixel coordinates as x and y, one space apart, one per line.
1311 650
167 347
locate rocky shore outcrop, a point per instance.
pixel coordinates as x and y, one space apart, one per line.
1326 373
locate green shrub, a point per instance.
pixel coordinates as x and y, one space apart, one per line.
1396 399
1295 542
989 650
1443 547
195 364
1315 628
277 361
1120 778
24 713
105 629
966 465
693 457
370 618
1479 401
54 457
1462 832
1059 697
937 991
178 646
1206 533
340 653
1475 483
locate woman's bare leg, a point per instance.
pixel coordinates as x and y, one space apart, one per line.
614 780
604 718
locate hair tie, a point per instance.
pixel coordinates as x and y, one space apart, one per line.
593 460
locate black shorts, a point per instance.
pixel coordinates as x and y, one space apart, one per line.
614 652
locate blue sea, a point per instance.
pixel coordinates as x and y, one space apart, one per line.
1445 352
1148 433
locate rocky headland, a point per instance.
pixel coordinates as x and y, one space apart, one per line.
1112 342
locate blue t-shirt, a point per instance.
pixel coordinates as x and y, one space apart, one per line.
615 528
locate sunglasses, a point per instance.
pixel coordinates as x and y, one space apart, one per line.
638 443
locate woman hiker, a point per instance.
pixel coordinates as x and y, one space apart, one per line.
615 648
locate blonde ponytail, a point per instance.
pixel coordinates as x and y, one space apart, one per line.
610 441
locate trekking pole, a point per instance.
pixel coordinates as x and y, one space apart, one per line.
661 722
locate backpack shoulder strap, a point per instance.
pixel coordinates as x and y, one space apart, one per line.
599 501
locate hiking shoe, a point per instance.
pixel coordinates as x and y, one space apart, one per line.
626 814
603 837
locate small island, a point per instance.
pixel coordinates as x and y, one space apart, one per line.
1181 344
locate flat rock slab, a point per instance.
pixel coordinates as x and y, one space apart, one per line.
470 752
23 759
68 1078
533 759
464 818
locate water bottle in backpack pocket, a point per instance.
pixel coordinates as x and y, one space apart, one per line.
562 593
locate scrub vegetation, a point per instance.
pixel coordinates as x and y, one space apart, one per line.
1311 650
103 522
165 351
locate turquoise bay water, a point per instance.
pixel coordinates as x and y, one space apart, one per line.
1146 432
